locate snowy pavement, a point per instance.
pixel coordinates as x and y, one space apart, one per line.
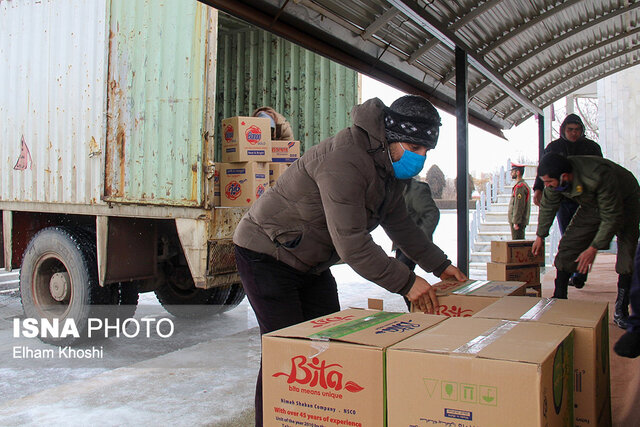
204 374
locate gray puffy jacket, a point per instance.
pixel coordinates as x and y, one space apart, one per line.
324 206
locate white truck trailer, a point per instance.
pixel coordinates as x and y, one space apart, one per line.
106 158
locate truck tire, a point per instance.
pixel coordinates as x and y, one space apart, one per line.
58 279
236 295
180 297
125 296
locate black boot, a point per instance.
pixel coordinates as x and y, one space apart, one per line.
562 282
628 345
621 314
578 280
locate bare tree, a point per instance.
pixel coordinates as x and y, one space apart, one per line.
436 181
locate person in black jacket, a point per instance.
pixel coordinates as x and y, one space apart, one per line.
572 142
629 343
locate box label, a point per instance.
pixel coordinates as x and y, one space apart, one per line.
233 190
443 389
356 325
253 135
458 414
315 372
228 133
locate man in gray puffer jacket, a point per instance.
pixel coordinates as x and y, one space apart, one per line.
323 209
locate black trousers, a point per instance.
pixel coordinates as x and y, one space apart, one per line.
282 296
565 213
634 319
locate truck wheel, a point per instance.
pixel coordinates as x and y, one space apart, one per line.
58 280
126 298
235 296
179 296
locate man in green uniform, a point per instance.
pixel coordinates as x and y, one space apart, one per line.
608 196
520 203
423 211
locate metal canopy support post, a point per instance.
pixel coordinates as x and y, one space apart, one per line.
540 136
462 126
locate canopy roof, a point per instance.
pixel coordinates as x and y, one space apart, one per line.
523 54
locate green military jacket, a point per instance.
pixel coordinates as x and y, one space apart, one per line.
520 204
597 184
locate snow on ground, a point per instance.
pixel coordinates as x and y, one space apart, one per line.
204 375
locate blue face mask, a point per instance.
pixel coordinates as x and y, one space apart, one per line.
562 186
409 165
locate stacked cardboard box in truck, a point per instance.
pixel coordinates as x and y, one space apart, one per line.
246 151
246 139
241 184
482 372
592 395
513 260
275 170
285 151
331 371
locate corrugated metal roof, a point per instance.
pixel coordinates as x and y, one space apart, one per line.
533 51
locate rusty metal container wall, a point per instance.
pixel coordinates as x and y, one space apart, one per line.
156 102
315 94
52 100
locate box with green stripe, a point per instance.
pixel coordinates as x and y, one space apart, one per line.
331 370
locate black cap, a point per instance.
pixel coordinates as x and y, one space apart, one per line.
412 119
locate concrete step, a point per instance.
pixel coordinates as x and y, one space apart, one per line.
484 236
502 227
480 247
503 206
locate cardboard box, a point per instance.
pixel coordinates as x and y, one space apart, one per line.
463 299
529 273
482 373
284 151
330 371
246 139
275 170
592 396
515 252
242 183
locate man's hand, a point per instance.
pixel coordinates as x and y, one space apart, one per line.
537 246
423 296
585 259
537 196
516 226
453 272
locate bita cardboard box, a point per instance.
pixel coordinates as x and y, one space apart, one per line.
275 170
330 371
592 397
515 252
283 151
529 273
246 139
241 184
482 373
463 299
